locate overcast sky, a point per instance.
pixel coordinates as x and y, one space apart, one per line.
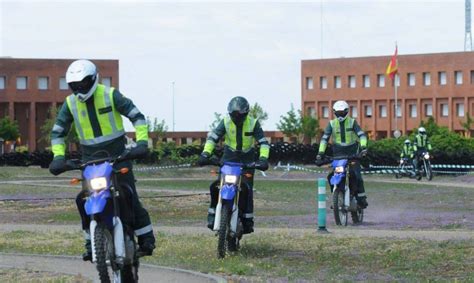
214 51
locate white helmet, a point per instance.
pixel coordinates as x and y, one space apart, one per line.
407 141
422 130
82 78
341 110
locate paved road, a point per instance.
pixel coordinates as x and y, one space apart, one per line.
74 266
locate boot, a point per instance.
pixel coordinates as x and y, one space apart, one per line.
146 244
362 202
247 224
210 220
87 255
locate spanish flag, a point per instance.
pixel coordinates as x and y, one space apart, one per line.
392 67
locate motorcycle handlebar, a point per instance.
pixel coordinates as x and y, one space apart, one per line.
216 162
327 160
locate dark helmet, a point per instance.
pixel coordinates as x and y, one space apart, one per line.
238 109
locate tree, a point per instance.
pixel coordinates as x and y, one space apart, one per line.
309 127
217 120
48 125
298 125
257 111
290 125
9 130
159 128
467 125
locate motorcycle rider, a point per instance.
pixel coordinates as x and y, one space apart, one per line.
345 132
407 153
96 111
420 145
240 132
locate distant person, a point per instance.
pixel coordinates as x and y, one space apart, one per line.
407 155
346 135
420 145
96 111
240 132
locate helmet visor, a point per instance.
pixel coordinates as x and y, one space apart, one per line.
341 114
83 86
237 117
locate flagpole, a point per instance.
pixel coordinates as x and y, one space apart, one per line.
396 105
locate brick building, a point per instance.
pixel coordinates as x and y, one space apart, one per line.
437 85
29 87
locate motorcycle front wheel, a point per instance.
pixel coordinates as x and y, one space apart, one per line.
428 170
224 229
340 213
104 249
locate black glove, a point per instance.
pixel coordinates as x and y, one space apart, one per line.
57 166
138 152
320 156
363 152
262 164
203 159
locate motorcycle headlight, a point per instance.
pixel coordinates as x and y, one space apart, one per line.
230 179
427 156
98 184
339 169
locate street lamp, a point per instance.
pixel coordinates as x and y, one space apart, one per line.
172 92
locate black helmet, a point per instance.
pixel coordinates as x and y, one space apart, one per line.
238 109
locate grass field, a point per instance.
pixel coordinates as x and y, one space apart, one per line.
278 253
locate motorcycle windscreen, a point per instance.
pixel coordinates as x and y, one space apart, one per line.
228 192
339 162
231 168
96 202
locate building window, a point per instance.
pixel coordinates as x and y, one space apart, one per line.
43 83
397 110
323 82
458 77
309 82
381 80
460 109
442 78
428 110
21 82
2 82
337 82
62 83
383 111
444 110
311 112
354 112
472 77
426 79
413 110
368 111
411 79
352 81
366 81
325 112
107 81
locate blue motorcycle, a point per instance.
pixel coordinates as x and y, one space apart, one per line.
228 219
113 243
343 194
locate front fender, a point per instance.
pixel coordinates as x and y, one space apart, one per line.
336 178
96 202
228 191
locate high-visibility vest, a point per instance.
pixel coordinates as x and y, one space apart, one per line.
110 120
350 135
248 140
